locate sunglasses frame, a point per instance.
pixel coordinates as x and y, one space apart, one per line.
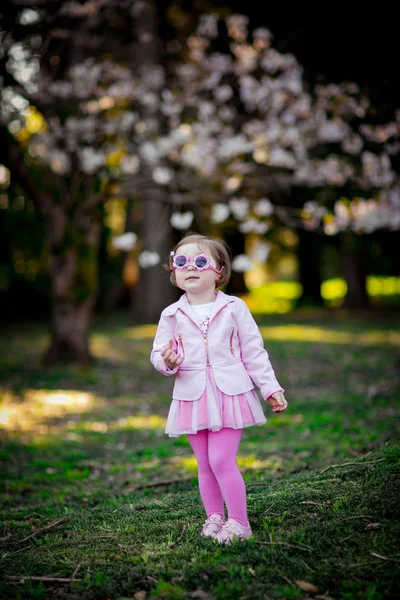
188 263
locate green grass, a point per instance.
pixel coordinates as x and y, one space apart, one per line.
77 444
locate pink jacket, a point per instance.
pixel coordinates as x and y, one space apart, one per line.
233 347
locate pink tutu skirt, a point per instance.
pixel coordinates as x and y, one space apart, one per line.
214 410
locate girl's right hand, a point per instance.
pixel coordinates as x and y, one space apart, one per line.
171 359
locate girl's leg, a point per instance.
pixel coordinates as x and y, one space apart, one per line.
223 446
210 493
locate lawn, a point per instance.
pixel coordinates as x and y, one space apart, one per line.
98 503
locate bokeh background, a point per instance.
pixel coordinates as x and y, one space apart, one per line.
278 132
125 124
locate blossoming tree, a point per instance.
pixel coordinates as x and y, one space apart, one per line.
208 136
85 113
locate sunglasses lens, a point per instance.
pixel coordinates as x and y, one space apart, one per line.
180 261
201 262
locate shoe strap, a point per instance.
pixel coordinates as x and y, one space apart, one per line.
213 519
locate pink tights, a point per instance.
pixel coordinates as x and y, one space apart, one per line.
219 477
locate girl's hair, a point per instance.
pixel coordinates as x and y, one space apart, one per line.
218 249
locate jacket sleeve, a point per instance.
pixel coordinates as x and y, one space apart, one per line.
165 332
254 355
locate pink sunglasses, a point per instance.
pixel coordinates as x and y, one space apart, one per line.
200 262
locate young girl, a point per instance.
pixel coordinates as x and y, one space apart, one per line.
210 341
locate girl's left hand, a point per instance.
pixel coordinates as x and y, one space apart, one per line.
278 402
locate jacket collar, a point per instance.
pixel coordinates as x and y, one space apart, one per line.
183 304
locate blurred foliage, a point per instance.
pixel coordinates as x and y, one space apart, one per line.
274 287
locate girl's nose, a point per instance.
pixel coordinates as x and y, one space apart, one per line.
192 267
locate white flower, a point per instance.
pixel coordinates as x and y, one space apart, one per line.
248 225
281 158
162 175
223 93
91 160
331 228
187 72
4 176
60 162
261 227
342 214
242 263
63 89
208 26
262 33
237 27
253 225
150 100
125 241
130 165
272 61
239 208
219 212
218 62
377 169
331 131
206 110
314 212
263 208
352 144
181 220
234 146
148 259
29 16
261 252
226 113
149 152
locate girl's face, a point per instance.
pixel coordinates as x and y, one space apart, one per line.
190 279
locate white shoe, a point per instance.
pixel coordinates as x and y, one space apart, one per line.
212 526
233 530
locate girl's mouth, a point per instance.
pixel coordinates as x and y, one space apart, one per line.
191 277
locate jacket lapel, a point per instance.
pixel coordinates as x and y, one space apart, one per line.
221 301
183 304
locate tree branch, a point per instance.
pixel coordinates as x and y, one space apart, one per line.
12 157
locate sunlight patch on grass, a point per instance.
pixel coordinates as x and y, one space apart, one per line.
102 347
189 462
28 413
286 419
141 332
251 461
306 333
140 421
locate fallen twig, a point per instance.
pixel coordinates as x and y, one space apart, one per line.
346 538
46 528
329 503
76 570
358 517
260 483
369 462
23 578
320 481
396 560
284 544
184 528
20 550
134 487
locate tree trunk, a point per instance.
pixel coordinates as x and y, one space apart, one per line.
354 271
154 291
74 272
309 268
235 240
